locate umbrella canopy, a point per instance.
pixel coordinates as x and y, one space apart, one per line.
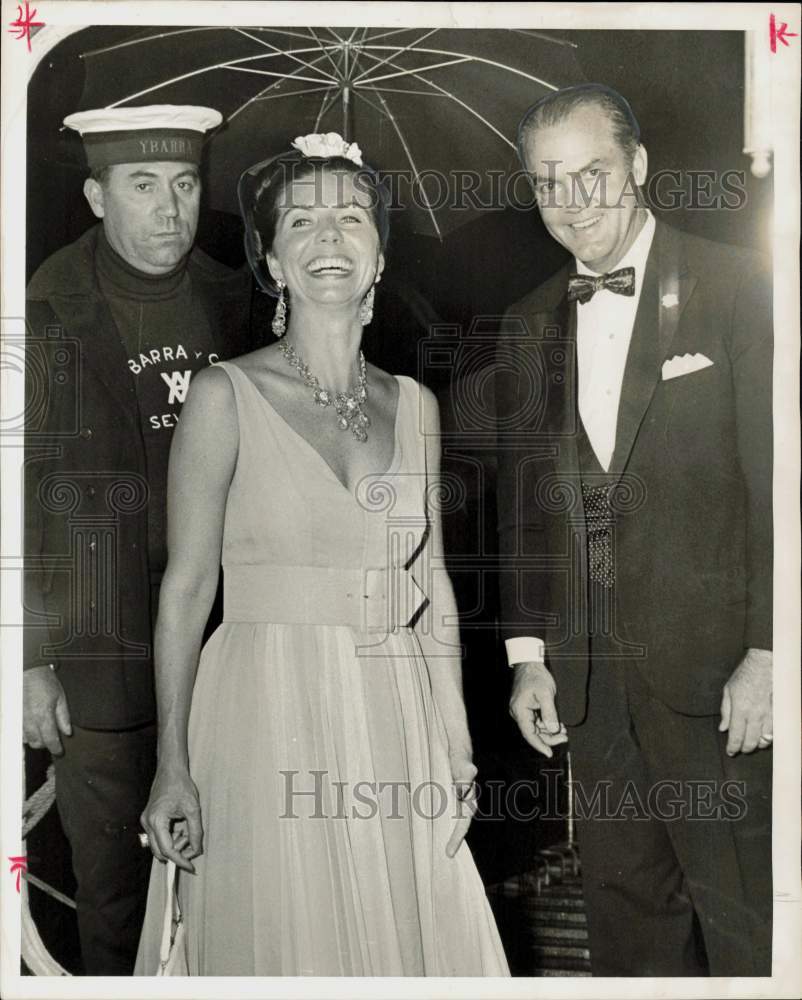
435 109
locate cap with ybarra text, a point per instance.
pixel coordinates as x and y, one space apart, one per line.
136 135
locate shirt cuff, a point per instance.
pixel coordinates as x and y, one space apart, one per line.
524 649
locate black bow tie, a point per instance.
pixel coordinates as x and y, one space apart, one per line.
585 286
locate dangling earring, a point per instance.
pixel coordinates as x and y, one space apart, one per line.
366 309
280 316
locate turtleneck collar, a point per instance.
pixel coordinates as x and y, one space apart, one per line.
130 282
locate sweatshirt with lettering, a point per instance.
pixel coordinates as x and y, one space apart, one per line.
166 336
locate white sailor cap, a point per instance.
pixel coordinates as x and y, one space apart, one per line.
136 135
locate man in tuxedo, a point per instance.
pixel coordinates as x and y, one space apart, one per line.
635 526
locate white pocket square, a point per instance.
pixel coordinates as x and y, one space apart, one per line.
684 364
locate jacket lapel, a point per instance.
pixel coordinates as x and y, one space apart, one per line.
667 286
563 424
69 285
563 373
676 286
554 326
102 350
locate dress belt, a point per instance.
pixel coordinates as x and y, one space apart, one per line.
371 600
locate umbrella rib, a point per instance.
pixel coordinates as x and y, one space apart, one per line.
401 90
442 92
281 76
411 159
379 110
325 105
357 51
464 56
271 86
292 93
179 31
140 41
389 34
288 53
342 61
282 31
462 104
398 51
543 37
417 69
337 69
205 69
347 53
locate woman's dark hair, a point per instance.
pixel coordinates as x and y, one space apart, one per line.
261 191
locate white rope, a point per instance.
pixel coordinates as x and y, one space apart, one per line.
37 805
33 950
49 890
34 953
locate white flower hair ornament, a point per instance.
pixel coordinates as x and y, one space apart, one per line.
328 144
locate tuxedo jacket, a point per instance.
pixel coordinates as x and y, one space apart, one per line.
692 474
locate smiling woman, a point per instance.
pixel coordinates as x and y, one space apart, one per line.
271 188
336 669
326 246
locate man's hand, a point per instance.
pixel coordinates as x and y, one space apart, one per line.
532 706
746 704
44 710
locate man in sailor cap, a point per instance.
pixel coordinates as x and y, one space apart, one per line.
118 322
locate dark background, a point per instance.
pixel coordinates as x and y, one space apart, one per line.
686 89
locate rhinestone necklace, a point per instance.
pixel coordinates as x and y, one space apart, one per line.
348 405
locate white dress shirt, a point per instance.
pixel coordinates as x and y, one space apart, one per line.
603 333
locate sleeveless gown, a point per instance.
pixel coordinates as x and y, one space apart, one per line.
317 749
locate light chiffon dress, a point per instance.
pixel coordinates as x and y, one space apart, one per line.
315 741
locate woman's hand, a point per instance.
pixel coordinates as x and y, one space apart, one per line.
172 819
463 772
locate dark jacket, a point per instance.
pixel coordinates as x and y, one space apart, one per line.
693 461
88 586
